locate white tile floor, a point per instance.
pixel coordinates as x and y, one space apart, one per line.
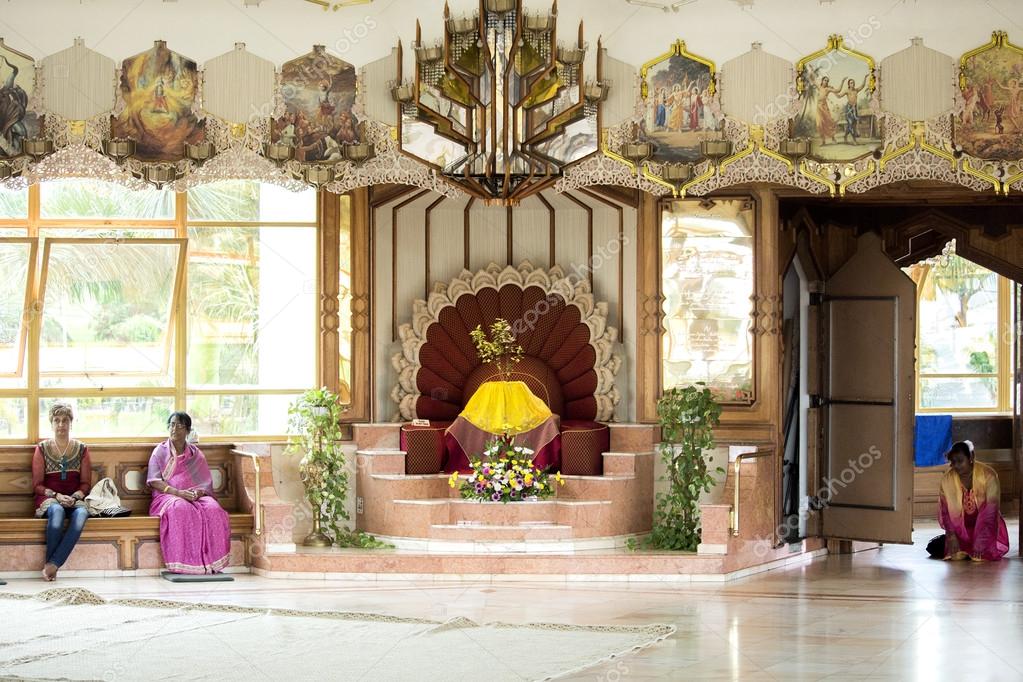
891 614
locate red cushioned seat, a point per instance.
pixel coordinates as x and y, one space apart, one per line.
583 444
424 447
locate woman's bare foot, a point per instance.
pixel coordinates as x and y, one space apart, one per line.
49 572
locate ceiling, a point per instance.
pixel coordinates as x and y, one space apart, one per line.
280 30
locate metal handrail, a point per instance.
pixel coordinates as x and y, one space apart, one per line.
257 523
734 513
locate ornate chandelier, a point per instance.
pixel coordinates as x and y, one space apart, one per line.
499 108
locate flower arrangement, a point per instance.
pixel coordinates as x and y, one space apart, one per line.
498 346
506 473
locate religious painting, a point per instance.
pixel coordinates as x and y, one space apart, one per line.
17 80
679 106
319 99
707 279
990 125
835 88
158 88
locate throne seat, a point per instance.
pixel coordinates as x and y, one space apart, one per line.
568 362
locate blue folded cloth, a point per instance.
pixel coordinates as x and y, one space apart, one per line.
933 438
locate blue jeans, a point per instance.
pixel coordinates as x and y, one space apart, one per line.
59 542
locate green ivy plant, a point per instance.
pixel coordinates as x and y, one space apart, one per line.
314 420
687 417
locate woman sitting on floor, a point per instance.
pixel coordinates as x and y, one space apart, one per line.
195 531
968 510
61 478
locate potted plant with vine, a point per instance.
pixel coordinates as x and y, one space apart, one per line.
687 416
314 420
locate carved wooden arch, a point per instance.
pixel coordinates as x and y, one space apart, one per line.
994 244
567 342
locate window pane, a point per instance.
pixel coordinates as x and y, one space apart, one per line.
14 273
13 203
251 307
962 392
707 281
96 199
958 310
107 314
250 201
107 233
13 418
345 301
13 231
240 415
135 417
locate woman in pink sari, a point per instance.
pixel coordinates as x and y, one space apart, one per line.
195 531
968 508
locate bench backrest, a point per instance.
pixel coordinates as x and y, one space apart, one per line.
126 464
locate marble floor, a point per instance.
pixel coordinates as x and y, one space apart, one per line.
889 614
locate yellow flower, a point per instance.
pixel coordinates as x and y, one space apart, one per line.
539 486
453 479
479 478
557 477
528 479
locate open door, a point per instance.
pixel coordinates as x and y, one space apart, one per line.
869 308
1017 400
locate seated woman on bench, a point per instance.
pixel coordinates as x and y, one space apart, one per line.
195 531
61 478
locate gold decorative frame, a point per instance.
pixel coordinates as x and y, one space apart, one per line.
999 40
836 43
677 49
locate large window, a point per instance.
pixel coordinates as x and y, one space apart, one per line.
252 289
131 304
708 286
963 324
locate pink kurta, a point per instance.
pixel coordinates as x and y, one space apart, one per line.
195 537
973 515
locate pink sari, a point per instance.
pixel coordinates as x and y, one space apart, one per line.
195 537
973 516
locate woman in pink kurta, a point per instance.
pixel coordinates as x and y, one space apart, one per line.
968 508
195 531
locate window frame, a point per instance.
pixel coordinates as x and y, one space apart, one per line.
1002 376
179 391
170 348
24 333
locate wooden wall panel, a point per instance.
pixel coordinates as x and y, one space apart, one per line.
573 234
446 241
531 233
415 265
489 236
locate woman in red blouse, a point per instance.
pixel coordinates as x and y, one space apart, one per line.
61 478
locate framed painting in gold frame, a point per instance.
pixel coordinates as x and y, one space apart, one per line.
17 121
679 108
835 86
990 125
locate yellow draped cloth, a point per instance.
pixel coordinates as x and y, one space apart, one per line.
501 407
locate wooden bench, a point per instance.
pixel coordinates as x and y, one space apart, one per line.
111 544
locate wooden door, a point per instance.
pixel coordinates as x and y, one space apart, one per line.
869 309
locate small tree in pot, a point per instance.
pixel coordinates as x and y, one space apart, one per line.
687 416
314 419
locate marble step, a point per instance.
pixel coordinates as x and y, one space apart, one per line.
380 461
634 437
523 532
376 436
